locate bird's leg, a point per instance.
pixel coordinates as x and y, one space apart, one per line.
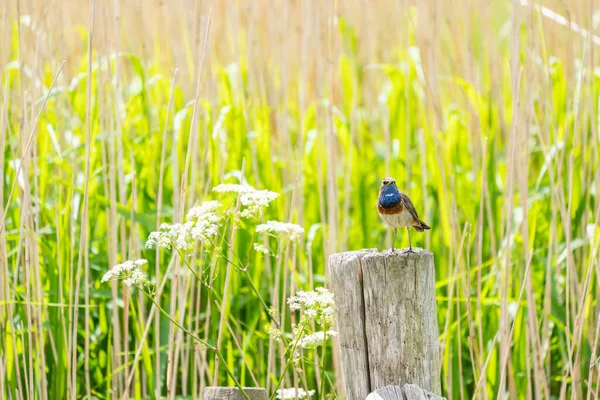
394 239
410 250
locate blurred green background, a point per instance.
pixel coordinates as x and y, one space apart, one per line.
484 112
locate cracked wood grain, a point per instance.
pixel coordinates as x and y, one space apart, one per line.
387 320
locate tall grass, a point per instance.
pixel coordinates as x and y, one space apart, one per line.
484 112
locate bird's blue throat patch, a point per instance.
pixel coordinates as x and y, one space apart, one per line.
390 197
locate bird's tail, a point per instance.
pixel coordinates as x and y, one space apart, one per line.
420 226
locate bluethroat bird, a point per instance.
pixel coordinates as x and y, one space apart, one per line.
397 211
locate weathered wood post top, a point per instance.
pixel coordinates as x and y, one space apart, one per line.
387 320
233 393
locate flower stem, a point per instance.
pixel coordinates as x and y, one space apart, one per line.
260 298
289 361
322 389
182 257
204 343
254 289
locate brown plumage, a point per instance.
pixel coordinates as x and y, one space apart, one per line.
417 223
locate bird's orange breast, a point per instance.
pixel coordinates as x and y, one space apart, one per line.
397 209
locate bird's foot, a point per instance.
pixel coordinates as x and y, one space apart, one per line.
410 250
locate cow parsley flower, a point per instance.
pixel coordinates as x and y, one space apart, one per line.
202 225
283 229
261 248
252 200
208 209
316 339
275 333
255 201
233 188
207 220
137 278
310 313
318 304
169 236
315 306
129 271
294 393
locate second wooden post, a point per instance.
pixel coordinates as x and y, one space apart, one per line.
387 320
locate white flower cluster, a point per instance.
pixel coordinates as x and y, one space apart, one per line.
129 271
261 248
204 210
207 219
284 229
202 225
317 304
251 199
294 393
316 339
177 235
275 333
233 188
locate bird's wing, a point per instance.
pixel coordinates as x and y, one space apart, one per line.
408 205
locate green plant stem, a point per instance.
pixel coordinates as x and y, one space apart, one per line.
182 257
260 298
311 362
255 290
322 389
202 342
245 271
289 361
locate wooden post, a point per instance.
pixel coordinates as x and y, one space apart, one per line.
387 320
233 393
406 392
